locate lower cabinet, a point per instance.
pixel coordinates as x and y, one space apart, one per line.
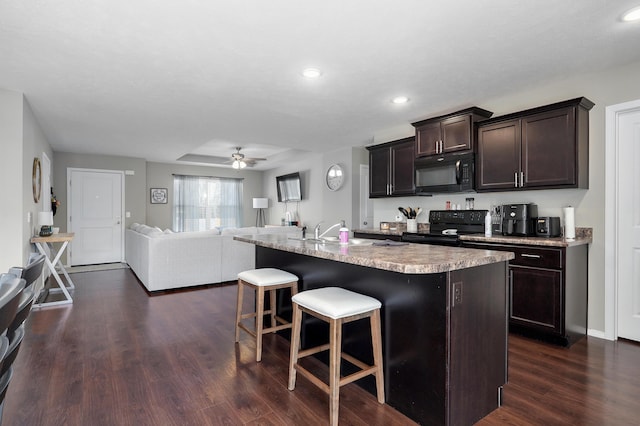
535 296
547 290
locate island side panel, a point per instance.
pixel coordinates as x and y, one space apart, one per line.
414 327
479 330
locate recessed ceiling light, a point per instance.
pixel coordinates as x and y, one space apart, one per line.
312 73
400 100
632 15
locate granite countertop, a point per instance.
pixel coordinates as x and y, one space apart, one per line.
583 236
406 258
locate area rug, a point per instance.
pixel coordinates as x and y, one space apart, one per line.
93 268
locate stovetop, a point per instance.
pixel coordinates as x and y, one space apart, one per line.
457 217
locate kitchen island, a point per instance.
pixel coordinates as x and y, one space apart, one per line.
444 318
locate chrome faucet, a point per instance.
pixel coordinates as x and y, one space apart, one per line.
316 230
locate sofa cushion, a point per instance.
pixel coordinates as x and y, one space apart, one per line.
280 230
150 231
250 230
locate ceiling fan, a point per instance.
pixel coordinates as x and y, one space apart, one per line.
239 161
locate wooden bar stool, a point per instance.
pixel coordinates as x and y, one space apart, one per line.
336 306
261 280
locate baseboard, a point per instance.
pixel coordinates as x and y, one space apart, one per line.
596 333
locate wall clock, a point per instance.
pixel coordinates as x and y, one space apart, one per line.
36 179
335 177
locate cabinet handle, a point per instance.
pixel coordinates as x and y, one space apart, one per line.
515 178
441 146
521 179
437 147
535 256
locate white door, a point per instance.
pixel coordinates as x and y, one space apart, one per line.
95 216
629 225
366 205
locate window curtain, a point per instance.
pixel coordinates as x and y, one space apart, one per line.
201 203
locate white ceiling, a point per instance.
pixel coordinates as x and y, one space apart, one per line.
161 79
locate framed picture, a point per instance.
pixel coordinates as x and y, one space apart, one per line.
159 196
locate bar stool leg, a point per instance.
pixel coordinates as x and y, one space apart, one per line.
295 344
335 351
239 309
376 341
272 303
259 322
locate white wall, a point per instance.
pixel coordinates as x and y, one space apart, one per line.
21 140
604 88
160 175
309 210
319 203
34 144
11 166
134 184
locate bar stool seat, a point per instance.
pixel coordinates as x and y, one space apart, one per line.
263 280
336 306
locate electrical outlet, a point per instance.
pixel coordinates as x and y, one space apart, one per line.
457 294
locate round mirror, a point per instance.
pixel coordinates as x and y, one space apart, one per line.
36 180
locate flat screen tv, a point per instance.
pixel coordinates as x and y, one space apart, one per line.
289 188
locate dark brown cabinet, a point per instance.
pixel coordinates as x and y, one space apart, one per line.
547 290
448 133
391 170
546 147
375 236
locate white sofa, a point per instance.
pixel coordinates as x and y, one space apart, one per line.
165 260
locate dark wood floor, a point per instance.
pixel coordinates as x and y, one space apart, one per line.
120 357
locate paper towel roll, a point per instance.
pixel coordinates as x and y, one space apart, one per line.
569 222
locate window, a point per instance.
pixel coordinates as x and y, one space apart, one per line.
201 203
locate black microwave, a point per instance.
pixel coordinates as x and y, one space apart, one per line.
445 174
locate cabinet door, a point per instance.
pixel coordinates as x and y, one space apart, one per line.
498 159
428 137
402 169
379 164
456 134
536 298
549 149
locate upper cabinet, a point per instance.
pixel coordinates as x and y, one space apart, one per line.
545 147
448 133
391 169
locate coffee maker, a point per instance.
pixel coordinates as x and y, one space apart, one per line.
519 219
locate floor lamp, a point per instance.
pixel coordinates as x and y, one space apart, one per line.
260 204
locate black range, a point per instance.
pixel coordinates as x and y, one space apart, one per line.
446 225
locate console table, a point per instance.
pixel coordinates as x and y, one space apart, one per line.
52 260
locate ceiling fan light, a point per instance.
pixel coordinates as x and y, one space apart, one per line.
242 164
236 164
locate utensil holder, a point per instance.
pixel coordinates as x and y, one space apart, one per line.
412 225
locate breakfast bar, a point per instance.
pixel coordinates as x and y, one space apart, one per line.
444 318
